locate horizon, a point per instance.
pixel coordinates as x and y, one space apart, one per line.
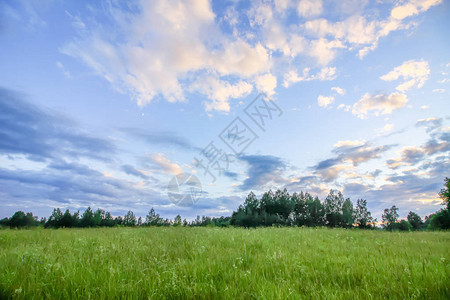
108 105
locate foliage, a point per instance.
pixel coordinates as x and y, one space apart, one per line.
390 217
415 220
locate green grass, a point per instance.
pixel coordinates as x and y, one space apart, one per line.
228 263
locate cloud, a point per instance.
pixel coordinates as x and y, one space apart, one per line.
415 73
41 135
379 104
413 7
220 92
161 162
409 156
165 138
324 101
430 124
349 154
310 8
266 84
173 50
130 170
155 47
439 142
338 90
325 74
262 170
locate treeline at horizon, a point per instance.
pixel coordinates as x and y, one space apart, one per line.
277 208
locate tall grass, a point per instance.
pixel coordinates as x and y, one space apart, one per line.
228 263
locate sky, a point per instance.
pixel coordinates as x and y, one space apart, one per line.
119 105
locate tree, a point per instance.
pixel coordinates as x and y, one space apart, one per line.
333 205
67 220
439 220
108 220
404 225
152 218
129 219
347 213
362 215
445 193
415 220
177 221
55 219
20 219
390 217
87 219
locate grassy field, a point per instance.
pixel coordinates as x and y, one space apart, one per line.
229 263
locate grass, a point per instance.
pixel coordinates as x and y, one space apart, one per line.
223 263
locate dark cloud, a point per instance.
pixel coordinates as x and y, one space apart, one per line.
330 168
262 169
41 135
160 138
130 170
430 124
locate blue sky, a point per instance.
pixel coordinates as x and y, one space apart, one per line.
102 103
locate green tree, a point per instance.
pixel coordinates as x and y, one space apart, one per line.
87 219
415 220
177 221
55 219
445 193
67 220
390 217
129 219
333 205
404 225
152 218
347 214
362 215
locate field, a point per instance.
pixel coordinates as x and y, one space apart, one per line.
223 263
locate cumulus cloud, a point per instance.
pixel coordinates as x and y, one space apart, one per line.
310 8
266 84
324 101
153 49
338 90
220 92
412 7
379 104
415 73
156 45
324 74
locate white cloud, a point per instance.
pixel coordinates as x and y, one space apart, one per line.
326 73
310 8
158 48
165 164
266 83
324 101
344 107
415 73
220 92
154 49
379 104
338 90
412 7
438 91
347 144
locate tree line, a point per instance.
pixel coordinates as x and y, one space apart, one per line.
277 208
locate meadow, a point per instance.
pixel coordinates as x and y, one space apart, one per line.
223 263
